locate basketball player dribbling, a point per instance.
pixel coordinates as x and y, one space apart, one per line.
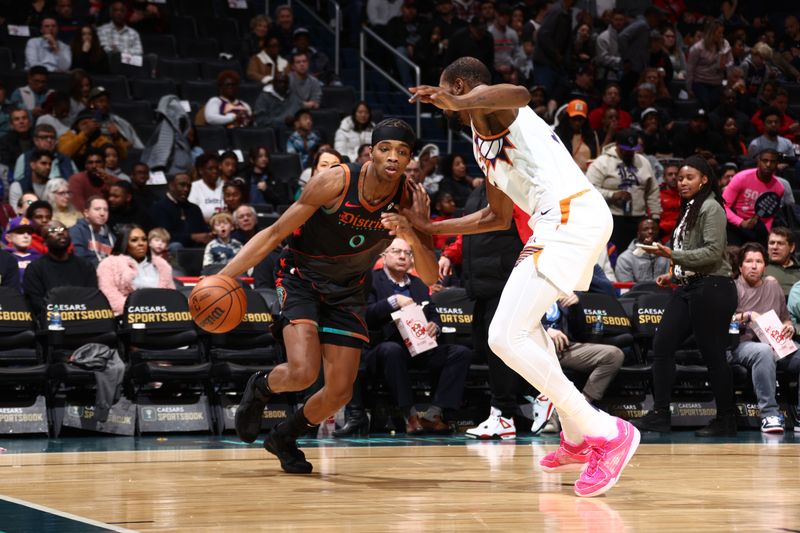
345 217
526 164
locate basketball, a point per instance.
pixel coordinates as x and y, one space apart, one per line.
217 304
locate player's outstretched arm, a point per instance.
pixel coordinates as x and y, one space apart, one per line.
495 216
424 258
487 97
324 189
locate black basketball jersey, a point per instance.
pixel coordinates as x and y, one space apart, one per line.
342 244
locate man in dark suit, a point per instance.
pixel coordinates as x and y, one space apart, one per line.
393 288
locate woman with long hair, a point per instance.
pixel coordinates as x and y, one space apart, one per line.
456 182
706 65
131 266
703 303
324 157
87 54
233 194
80 85
58 195
354 130
733 140
672 45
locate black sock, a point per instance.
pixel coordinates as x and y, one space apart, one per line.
297 424
263 386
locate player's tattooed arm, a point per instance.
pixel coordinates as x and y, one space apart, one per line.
325 189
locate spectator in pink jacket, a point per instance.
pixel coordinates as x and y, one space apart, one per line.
131 266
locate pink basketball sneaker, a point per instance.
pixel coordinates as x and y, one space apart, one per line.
607 459
567 458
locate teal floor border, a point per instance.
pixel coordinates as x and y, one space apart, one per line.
17 516
229 441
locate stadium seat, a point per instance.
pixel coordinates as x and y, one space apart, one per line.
455 310
617 329
224 30
249 91
161 45
17 46
144 131
246 138
248 348
115 84
326 122
183 27
86 317
58 81
131 72
153 90
23 372
178 69
6 59
210 69
213 138
190 260
198 91
685 109
13 79
343 99
203 48
135 111
286 168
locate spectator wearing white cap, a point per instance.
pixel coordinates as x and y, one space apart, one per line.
429 168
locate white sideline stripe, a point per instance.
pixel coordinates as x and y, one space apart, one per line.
62 514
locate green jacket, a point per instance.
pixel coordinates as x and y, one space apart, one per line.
704 245
786 276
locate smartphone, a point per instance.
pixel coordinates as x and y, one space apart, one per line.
647 247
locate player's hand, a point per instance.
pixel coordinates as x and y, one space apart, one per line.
445 267
559 339
404 301
436 96
398 226
664 280
568 300
421 202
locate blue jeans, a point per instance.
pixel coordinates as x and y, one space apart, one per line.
760 360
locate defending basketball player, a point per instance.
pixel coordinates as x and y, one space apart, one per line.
526 164
345 217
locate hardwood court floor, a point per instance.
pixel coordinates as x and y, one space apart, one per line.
466 486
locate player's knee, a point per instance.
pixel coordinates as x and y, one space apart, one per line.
304 376
499 339
338 397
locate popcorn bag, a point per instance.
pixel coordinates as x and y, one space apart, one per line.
413 327
768 329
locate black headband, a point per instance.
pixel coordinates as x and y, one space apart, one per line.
699 163
393 133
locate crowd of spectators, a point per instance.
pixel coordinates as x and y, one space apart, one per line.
629 88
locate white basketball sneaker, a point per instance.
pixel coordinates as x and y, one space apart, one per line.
494 427
543 409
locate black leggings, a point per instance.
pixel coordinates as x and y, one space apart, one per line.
703 307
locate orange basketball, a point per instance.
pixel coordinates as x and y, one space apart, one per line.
217 304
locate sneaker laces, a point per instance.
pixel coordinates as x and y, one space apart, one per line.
596 454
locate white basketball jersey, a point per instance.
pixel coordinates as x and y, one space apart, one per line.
570 220
529 163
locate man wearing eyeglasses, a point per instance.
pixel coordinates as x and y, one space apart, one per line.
393 287
44 138
60 267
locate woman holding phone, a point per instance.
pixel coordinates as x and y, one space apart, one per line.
702 304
